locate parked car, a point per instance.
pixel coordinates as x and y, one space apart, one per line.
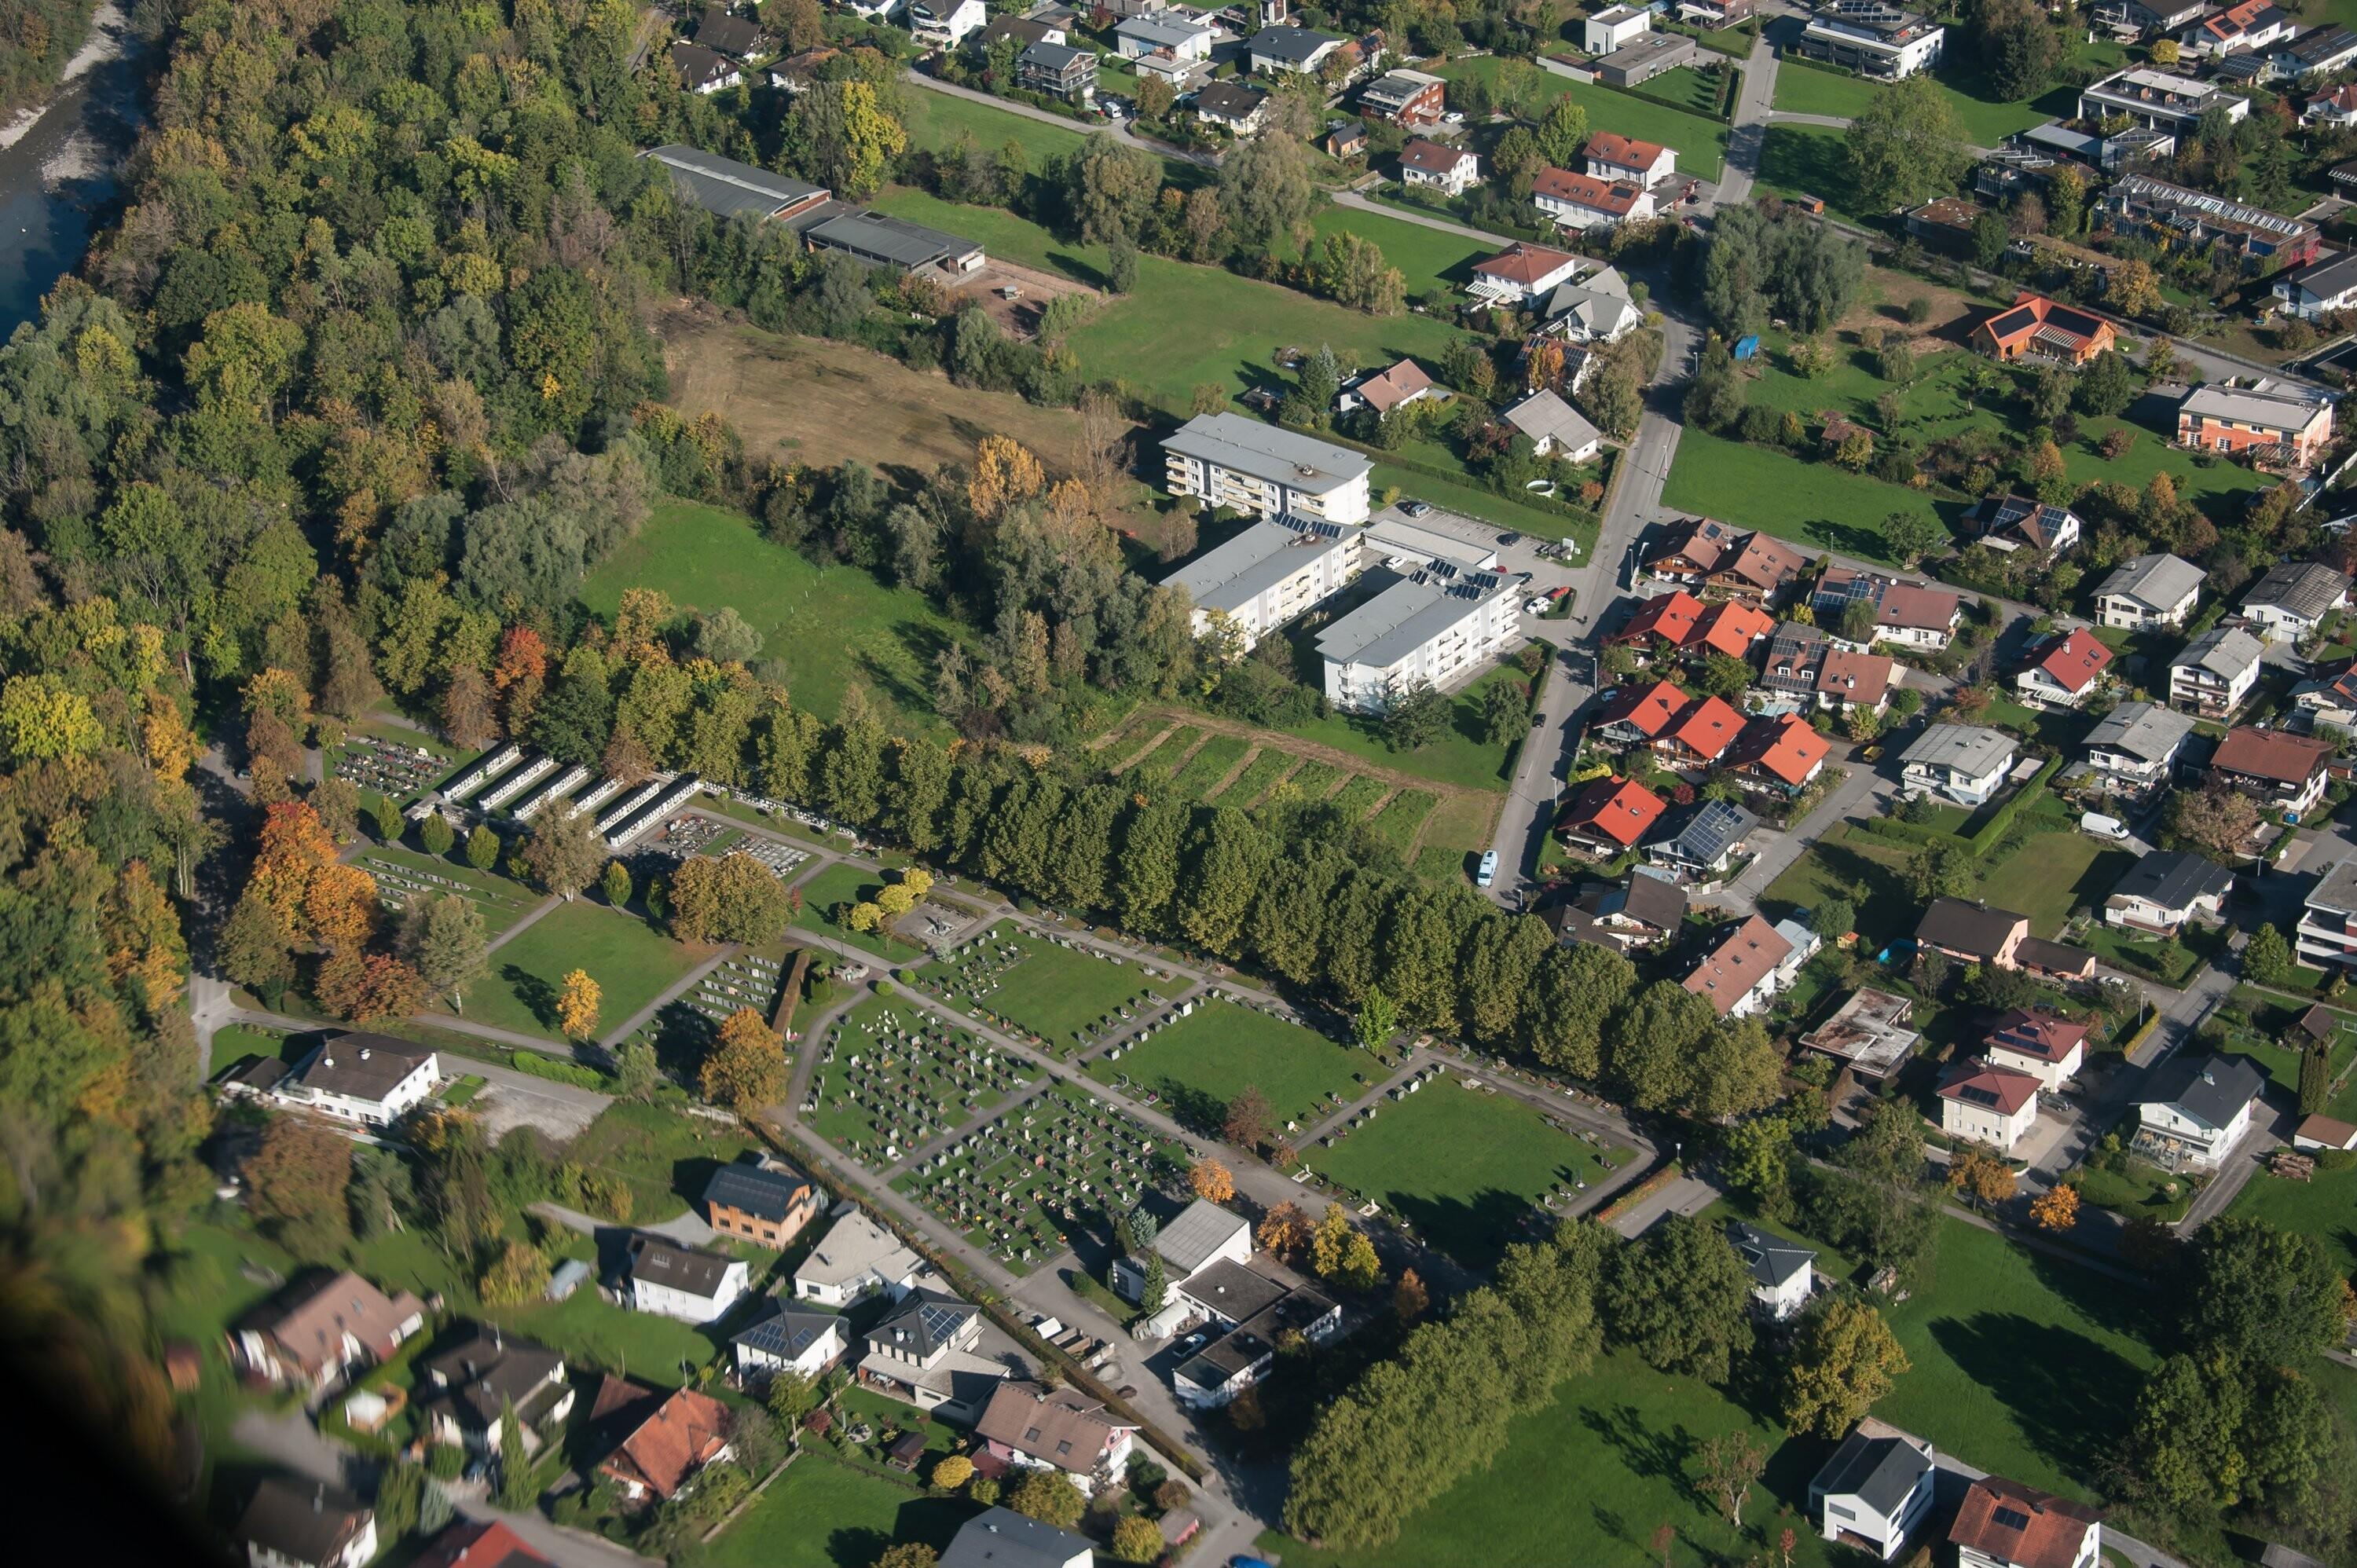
1416 509
1510 539
1489 871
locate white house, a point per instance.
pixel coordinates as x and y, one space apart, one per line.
1964 762
1782 1273
1435 625
1608 29
1186 38
2149 593
2212 674
785 1340
1198 1235
2244 28
1597 308
306 1524
945 24
374 1080
1611 156
2048 1048
1885 45
2136 745
1521 272
1231 461
467 1387
1284 50
2004 1524
1442 167
1986 1104
1001 1538
2289 604
1877 1490
679 1282
927 1351
1743 969
855 1257
2326 933
2160 893
1257 1314
2195 1110
1033 1427
1555 428
2330 287
2065 671
1583 201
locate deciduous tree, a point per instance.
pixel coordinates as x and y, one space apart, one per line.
747 1068
577 1005
1844 1358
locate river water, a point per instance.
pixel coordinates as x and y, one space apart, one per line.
59 163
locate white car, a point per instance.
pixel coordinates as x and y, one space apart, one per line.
1536 606
1489 871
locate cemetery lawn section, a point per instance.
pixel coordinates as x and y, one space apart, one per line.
1202 1062
1466 1167
1048 991
892 1077
631 961
402 872
840 885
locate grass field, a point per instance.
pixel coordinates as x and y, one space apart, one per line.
1807 90
829 624
629 960
1701 144
936 121
1054 992
1489 506
1466 1167
1431 258
233 1043
1358 797
1686 89
1461 755
1202 1062
1268 765
1813 504
1846 864
665 1157
2053 874
1314 780
2325 1209
1401 815
841 884
1811 160
1209 766
823 1513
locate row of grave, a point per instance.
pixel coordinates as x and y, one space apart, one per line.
1017 1184
901 1080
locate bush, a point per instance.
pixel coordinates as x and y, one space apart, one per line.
556 1071
445 1460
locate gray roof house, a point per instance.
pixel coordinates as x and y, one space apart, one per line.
1198 1235
2162 891
306 1524
2156 588
1596 308
1780 1270
2194 1110
2137 741
1290 48
1877 1489
2292 600
1001 1538
1553 426
782 1337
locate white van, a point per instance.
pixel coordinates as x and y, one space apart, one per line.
2102 826
1489 871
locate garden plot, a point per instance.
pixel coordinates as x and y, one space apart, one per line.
402 875
1018 1184
892 1078
387 766
749 980
1063 994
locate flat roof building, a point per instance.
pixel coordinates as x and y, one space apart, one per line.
728 189
1429 627
883 241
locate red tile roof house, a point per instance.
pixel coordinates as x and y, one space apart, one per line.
1636 715
1520 272
1730 627
1039 1428
486 1545
1699 735
1848 680
1444 169
1693 549
2283 772
1986 1104
2048 1048
1759 571
1582 202
1609 816
2004 1524
311 1337
1387 389
658 1441
1738 976
1614 156
1666 617
1783 754
2066 672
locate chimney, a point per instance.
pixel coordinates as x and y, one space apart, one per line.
319 1498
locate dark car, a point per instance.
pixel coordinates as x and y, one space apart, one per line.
1510 539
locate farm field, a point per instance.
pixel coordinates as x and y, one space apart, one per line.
1058 995
829 624
1466 1167
839 885
1203 1061
891 1077
1267 766
629 960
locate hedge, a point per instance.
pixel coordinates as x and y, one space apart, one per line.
549 1068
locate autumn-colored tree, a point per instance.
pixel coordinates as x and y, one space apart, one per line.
747 1068
1211 1181
468 717
565 852
295 846
1284 1232
2056 1209
1980 1175
1856 451
513 1278
1732 1462
368 988
1005 472
1341 1251
953 1471
1410 1300
639 620
577 1005
1250 1122
1844 1358
296 1180
339 906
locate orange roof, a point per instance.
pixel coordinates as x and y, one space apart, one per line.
1730 626
1785 748
1645 709
1619 809
2271 754
662 1437
1669 617
1624 152
2008 1522
490 1544
1706 728
1524 263
2034 312
1729 970
2042 1035
2075 662
1617 198
1387 391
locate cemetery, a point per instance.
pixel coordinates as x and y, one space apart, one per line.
892 1078
1065 996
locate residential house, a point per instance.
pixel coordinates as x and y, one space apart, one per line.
705 71
1882 42
2180 216
1946 222
873 10
1726 563
2159 101
2194 1110
1741 973
1637 714
1666 618
1198 1235
2274 423
2320 52
1185 37
1447 169
1872 1033
2004 1524
306 1524
1875 1491
1973 933
761 1199
2333 110
1704 843
1024 30
490 1544
1986 1104
1229 460
1432 625
2214 673
1716 15
1781 755
1965 763
1597 308
1058 71
1033 1427
781 1339
2063 671
1520 272
1392 387
2035 328
1231 106
464 1389
1690 551
2136 745
654 1442
925 1351
945 24
1732 628
1614 25
2328 698
2291 602
737 36
1256 1313
2283 772
1346 140
1795 662
1782 1273
1409 98
2326 932
1264 576
1627 160
1608 816
680 1282
1582 202
2161 892
1906 614
2010 522
2330 287
1284 50
2134 19
1699 735
1001 1538
855 1257
1641 912
2149 594
2047 1046
1555 428
1849 680
372 1079
321 1329
2245 28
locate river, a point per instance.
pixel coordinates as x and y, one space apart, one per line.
60 162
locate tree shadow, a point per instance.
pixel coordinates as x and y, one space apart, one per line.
1658 1455
2071 1400
1079 269
682 1037
853 1547
1475 1231
538 996
1192 1108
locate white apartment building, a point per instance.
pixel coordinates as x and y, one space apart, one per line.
1432 627
1268 574
1885 44
1609 29
1229 460
2327 925
2157 100
2215 673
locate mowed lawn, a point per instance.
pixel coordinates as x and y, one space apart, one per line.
1811 160
1804 90
1463 1165
1055 991
629 960
1701 143
830 625
2051 875
1203 1061
2324 1207
233 1043
1842 864
839 885
1812 504
1430 259
1462 754
665 1157
823 1513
